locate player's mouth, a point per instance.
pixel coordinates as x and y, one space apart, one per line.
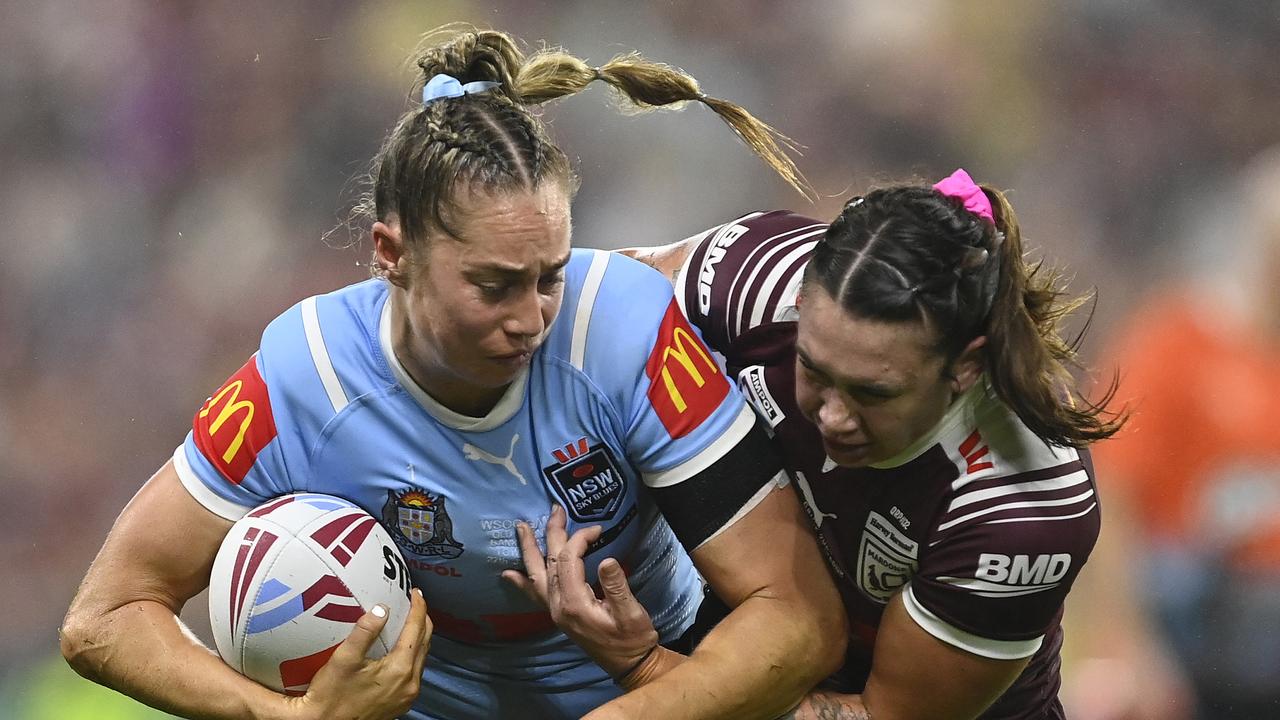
513 359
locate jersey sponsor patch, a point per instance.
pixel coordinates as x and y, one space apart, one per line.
751 380
685 383
235 424
588 481
886 558
724 237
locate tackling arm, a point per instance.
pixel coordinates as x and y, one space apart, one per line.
960 685
787 630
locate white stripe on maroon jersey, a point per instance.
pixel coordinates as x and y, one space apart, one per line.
1018 506
758 292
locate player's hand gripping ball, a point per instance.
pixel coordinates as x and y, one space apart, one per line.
290 581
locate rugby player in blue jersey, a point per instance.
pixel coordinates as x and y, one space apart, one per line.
488 373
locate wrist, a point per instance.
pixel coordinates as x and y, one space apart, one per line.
620 676
645 669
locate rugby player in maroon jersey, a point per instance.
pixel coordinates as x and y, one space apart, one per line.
909 364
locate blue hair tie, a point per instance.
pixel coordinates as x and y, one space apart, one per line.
446 86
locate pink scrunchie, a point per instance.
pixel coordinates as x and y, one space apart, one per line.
962 187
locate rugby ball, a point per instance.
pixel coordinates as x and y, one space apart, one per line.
290 580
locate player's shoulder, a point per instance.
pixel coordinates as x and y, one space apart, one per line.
612 304
746 273
1013 483
326 347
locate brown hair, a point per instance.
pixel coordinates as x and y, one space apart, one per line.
908 253
490 141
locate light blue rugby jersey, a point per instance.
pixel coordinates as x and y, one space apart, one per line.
334 412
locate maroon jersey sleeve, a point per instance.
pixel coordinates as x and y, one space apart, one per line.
1005 551
745 273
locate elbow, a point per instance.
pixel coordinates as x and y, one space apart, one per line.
79 640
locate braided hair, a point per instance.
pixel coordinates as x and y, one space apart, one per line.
910 253
491 142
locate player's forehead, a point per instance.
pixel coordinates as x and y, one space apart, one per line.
858 349
512 232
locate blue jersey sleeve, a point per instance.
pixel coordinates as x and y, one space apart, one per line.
250 441
687 428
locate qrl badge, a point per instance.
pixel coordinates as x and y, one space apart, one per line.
886 559
420 524
588 481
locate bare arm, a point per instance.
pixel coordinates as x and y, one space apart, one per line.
122 629
787 630
666 259
915 676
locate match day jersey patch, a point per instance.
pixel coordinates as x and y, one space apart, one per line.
419 523
235 424
886 558
588 481
685 383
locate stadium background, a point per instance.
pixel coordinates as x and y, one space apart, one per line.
175 174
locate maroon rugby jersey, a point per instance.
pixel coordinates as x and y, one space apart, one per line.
980 524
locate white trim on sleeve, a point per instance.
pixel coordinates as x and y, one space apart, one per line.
320 355
709 455
781 480
952 635
211 501
586 301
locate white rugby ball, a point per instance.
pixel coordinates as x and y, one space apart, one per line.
290 581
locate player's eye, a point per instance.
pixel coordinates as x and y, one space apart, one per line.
548 283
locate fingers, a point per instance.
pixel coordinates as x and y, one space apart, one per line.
613 581
569 573
424 642
353 650
415 628
556 534
534 582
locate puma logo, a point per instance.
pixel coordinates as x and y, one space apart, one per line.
471 452
810 504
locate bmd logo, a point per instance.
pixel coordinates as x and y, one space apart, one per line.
1021 569
685 383
236 423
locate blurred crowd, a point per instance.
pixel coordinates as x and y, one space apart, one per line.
176 174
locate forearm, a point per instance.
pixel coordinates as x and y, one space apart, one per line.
142 650
758 662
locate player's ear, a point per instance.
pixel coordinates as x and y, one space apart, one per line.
390 255
967 368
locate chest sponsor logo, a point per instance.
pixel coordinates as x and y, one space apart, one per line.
588 481
887 558
235 424
477 454
724 237
685 383
420 524
751 380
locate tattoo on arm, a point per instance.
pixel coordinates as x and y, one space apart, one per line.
820 705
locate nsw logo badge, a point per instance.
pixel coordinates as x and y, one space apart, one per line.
588 481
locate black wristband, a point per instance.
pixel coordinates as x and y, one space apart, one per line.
618 679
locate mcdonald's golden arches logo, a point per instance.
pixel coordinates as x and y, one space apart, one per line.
234 424
685 383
